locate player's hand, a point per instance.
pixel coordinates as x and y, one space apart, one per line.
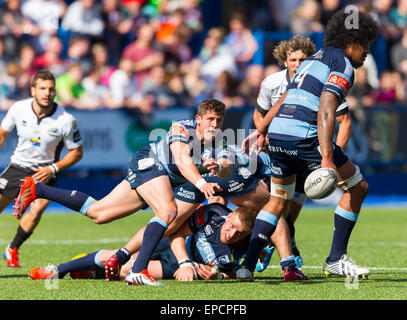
42 175
211 165
325 163
184 273
253 142
209 189
206 272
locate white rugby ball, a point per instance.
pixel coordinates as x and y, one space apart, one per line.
320 183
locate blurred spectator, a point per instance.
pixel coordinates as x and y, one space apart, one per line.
179 94
358 98
250 86
46 15
169 25
100 60
176 48
70 91
398 14
372 73
133 18
398 54
240 41
386 122
98 95
143 53
156 89
25 61
52 57
226 91
123 90
307 18
193 81
192 17
78 52
391 90
2 58
83 17
281 12
215 58
9 92
381 14
15 27
328 9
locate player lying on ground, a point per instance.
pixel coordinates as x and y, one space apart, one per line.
188 150
214 236
246 187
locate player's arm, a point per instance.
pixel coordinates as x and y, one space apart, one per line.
186 270
344 131
257 138
45 174
3 136
326 125
185 164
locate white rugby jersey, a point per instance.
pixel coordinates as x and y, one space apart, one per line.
40 141
273 87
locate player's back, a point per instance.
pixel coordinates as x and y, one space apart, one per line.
328 70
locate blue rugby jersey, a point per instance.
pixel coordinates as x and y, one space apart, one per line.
185 131
328 70
205 246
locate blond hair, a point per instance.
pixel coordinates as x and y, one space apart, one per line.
297 43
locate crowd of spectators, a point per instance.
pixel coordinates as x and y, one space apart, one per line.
138 53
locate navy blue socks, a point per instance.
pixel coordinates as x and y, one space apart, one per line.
344 222
266 224
152 235
71 199
85 263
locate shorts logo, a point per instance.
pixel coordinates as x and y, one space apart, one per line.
3 183
340 82
276 170
145 163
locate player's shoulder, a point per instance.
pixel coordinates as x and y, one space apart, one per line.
20 105
274 80
187 123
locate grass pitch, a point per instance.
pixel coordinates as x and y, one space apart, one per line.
379 242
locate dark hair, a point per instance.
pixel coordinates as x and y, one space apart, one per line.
43 75
339 35
211 105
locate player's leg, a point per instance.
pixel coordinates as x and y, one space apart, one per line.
24 230
4 202
282 190
346 215
157 193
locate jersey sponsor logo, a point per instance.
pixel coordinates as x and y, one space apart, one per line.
178 130
35 141
53 132
186 194
339 81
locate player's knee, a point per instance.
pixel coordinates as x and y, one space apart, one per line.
169 213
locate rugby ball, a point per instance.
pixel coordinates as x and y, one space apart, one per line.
320 183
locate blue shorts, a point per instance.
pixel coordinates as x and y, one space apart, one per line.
299 157
143 167
164 254
237 184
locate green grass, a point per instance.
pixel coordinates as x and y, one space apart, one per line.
379 241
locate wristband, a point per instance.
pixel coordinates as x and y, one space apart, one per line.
185 261
54 168
200 183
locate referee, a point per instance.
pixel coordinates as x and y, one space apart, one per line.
43 128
